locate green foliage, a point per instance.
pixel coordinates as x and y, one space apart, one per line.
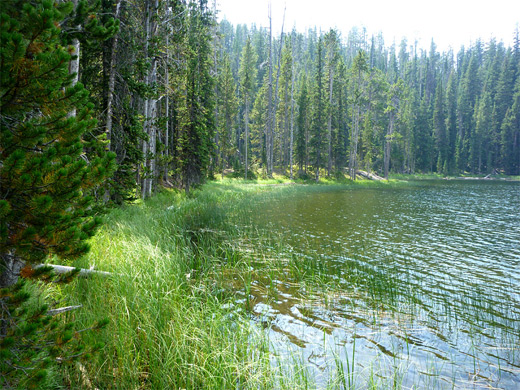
259 119
44 179
34 343
434 129
303 124
227 108
196 125
283 116
47 182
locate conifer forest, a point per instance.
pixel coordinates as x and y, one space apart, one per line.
178 97
105 103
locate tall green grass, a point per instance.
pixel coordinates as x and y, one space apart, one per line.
168 325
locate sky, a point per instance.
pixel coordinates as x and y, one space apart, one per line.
451 23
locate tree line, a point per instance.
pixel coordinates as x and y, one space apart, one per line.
319 103
352 103
179 97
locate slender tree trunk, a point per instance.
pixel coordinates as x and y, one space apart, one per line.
150 104
247 133
318 162
292 120
238 133
10 266
306 149
276 93
272 107
167 109
74 63
145 145
269 135
215 66
354 145
286 131
329 125
388 145
111 80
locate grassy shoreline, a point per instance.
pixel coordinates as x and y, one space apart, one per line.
174 320
171 325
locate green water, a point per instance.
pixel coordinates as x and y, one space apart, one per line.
420 283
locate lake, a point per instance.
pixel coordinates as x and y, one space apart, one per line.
402 285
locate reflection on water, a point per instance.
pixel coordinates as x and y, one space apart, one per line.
428 276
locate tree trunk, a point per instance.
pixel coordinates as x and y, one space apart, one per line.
353 147
111 81
74 63
10 266
292 121
167 109
247 133
269 135
276 96
150 104
388 145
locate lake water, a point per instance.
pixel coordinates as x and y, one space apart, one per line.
425 276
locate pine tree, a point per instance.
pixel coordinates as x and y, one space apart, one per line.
284 108
357 85
195 136
318 117
451 123
424 142
332 54
302 123
469 92
121 115
340 142
45 179
260 125
510 135
439 128
395 91
247 74
46 183
227 108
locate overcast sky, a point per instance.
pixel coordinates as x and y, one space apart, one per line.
449 22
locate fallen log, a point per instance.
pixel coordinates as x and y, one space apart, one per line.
65 309
368 175
62 269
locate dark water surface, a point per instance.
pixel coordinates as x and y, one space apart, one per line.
427 284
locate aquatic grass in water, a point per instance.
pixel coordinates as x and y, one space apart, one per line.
456 320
